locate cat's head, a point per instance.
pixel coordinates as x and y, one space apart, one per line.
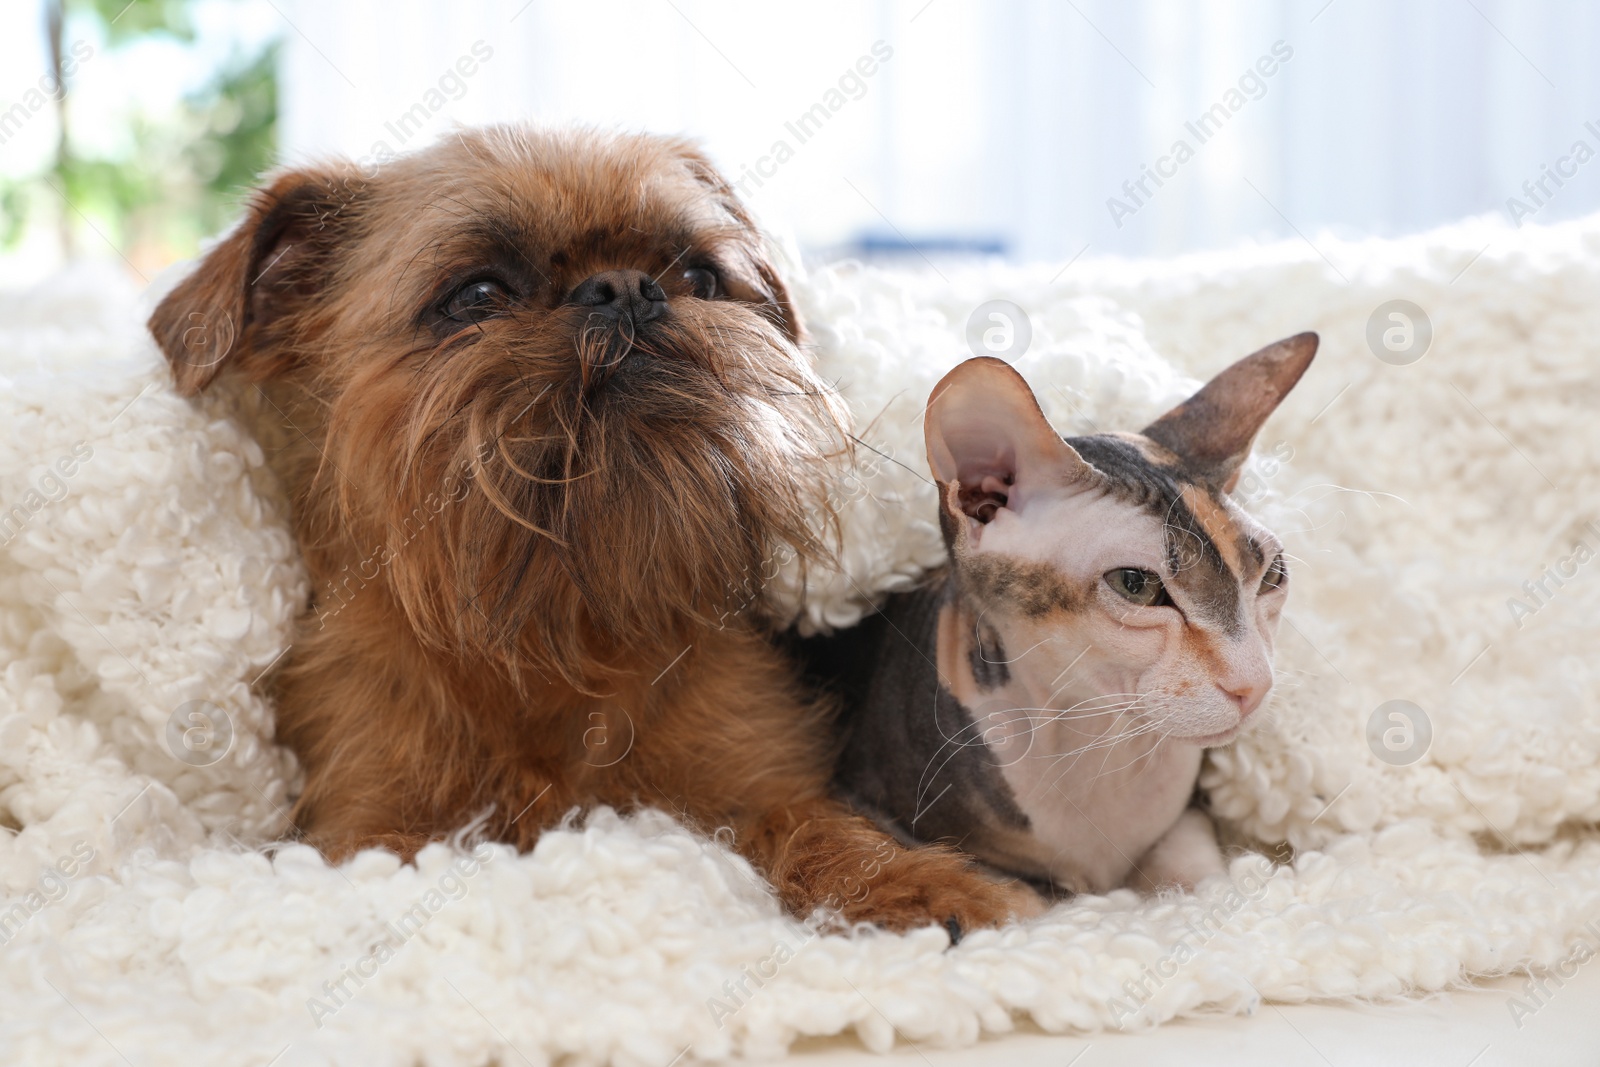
1113 570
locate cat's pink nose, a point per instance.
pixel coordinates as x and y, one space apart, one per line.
1247 694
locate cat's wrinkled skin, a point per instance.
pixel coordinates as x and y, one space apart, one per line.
1108 613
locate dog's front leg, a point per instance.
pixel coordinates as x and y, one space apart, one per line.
401 799
820 855
399 751
734 742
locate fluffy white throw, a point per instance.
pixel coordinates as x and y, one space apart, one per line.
147 579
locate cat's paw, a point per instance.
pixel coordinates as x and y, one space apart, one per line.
1186 855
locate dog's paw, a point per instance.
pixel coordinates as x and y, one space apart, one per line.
927 887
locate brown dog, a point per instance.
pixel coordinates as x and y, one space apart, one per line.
547 424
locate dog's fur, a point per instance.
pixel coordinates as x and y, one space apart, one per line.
536 539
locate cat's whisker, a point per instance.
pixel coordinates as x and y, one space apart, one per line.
1110 739
1336 489
1146 751
978 644
1045 716
1108 748
954 743
1309 527
1047 709
1081 710
930 773
1033 719
1308 524
1146 730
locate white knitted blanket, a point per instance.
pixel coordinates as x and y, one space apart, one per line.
147 579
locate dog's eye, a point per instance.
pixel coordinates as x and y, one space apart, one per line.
476 301
1277 577
703 283
1138 586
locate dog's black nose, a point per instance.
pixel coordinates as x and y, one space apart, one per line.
622 294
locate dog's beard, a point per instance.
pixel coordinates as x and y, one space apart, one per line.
617 498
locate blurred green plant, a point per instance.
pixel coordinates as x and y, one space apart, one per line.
183 172
126 21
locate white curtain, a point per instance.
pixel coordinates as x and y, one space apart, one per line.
1007 125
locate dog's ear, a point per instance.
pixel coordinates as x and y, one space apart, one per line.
774 292
788 318
232 308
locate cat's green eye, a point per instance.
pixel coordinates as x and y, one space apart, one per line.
1277 576
1138 586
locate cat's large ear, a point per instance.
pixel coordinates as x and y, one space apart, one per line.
990 446
1212 431
233 308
